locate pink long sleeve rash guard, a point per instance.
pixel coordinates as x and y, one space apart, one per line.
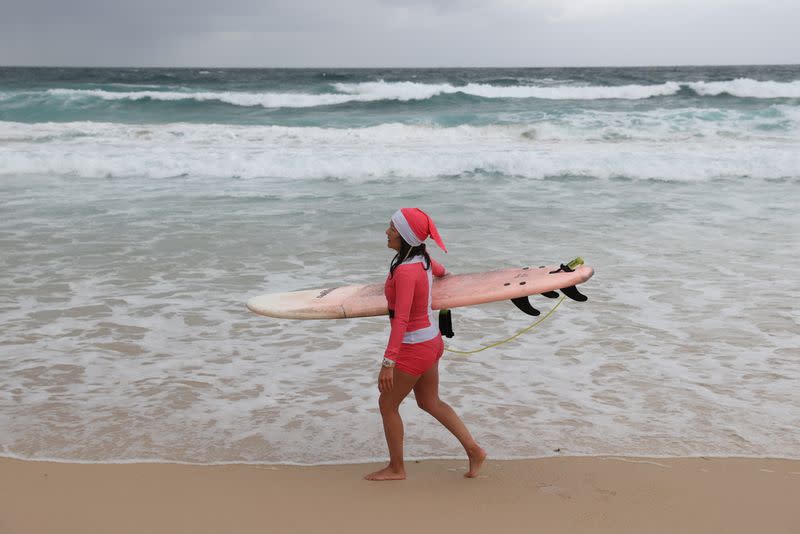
408 293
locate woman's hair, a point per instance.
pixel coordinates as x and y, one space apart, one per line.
407 251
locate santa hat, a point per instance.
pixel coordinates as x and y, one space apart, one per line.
415 226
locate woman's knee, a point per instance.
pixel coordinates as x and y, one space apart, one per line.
428 404
387 403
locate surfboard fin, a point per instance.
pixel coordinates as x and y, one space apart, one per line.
446 323
573 293
550 294
525 305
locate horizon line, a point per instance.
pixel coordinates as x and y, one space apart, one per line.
195 67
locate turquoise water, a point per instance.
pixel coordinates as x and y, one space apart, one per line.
142 207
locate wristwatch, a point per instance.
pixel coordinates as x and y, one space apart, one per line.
387 362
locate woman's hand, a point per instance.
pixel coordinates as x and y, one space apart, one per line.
386 379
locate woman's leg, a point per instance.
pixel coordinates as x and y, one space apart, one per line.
389 404
426 390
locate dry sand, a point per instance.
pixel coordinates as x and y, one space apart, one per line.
553 495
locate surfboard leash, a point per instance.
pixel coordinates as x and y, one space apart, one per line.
538 322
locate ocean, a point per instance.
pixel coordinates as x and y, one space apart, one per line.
141 208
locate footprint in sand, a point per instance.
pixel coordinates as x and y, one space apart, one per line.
548 489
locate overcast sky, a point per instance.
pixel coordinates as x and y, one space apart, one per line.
398 33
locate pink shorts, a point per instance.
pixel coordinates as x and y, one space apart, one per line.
416 358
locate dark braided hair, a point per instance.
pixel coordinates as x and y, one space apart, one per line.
407 251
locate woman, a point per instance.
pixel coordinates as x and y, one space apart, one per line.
411 360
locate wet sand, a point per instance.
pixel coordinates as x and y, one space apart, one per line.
554 495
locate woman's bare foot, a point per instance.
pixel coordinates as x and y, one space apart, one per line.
387 473
476 458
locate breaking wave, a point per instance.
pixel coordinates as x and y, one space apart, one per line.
412 91
630 146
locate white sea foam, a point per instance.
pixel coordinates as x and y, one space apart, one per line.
686 144
748 88
407 91
380 91
267 100
416 91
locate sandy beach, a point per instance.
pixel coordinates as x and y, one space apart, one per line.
565 494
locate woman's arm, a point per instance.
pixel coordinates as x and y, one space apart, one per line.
438 269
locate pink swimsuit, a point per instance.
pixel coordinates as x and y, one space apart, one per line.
414 342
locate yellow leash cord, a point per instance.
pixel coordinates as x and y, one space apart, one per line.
548 314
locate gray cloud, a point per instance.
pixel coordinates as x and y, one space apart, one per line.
398 32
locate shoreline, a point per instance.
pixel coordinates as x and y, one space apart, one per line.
635 458
555 494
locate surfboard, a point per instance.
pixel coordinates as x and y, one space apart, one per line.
451 291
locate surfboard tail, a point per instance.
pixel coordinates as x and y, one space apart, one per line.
524 303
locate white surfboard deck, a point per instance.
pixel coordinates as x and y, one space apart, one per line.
451 291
